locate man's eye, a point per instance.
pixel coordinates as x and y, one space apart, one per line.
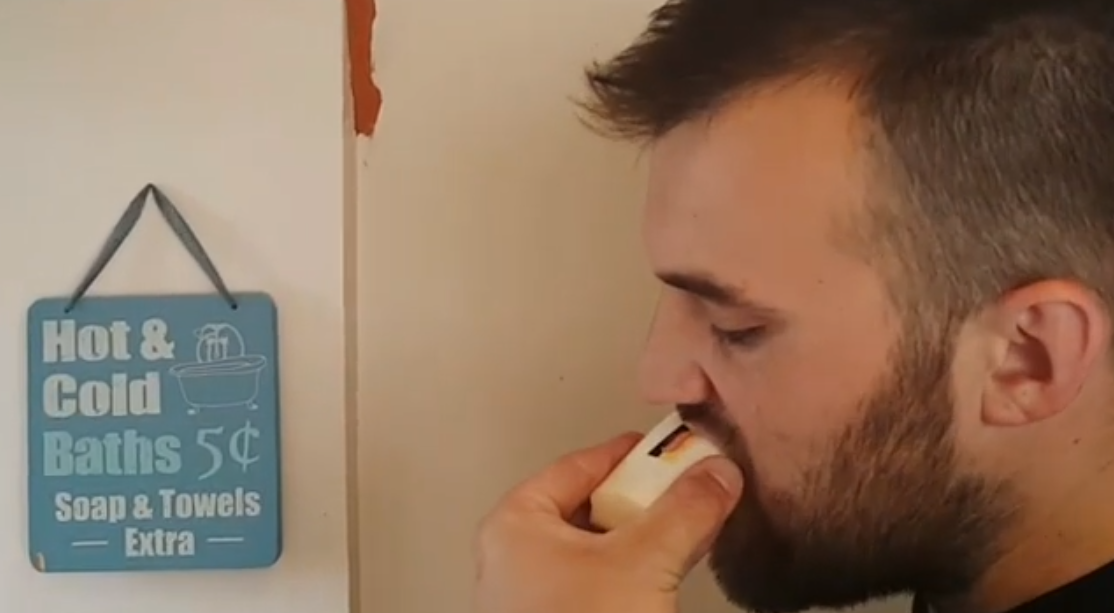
746 338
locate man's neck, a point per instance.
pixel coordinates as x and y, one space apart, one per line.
1071 539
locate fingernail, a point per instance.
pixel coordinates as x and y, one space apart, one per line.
726 475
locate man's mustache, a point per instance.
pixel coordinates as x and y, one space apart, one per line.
711 421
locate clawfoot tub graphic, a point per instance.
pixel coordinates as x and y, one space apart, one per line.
223 375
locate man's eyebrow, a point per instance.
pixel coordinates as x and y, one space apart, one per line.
710 290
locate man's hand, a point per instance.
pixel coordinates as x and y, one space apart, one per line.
535 555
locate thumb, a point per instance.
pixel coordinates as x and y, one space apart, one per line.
678 529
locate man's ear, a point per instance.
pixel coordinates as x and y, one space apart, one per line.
1048 337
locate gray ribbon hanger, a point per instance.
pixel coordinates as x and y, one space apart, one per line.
124 227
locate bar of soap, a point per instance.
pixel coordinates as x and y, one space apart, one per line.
646 473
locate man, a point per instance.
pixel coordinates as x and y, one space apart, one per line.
885 230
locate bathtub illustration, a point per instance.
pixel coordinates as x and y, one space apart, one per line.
223 375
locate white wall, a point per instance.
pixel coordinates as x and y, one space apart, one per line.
235 108
503 294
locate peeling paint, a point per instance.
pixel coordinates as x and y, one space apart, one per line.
366 97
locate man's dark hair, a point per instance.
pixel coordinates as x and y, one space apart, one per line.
990 123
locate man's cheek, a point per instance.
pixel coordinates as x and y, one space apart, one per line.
783 442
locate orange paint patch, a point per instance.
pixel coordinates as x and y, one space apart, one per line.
366 97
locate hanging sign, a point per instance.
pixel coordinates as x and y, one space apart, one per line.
153 424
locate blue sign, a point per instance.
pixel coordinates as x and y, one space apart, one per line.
153 433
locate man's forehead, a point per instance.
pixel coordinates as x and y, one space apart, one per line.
796 142
756 186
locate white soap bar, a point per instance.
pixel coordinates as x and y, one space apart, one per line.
649 469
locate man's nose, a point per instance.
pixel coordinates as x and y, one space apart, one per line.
670 372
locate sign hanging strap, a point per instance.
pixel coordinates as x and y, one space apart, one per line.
124 227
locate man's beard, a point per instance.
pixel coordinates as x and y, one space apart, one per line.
888 511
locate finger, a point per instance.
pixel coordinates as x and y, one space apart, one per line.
565 485
678 529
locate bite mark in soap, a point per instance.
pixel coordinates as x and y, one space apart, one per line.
673 445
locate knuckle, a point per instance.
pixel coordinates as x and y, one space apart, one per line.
495 530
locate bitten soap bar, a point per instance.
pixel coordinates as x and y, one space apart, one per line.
652 466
